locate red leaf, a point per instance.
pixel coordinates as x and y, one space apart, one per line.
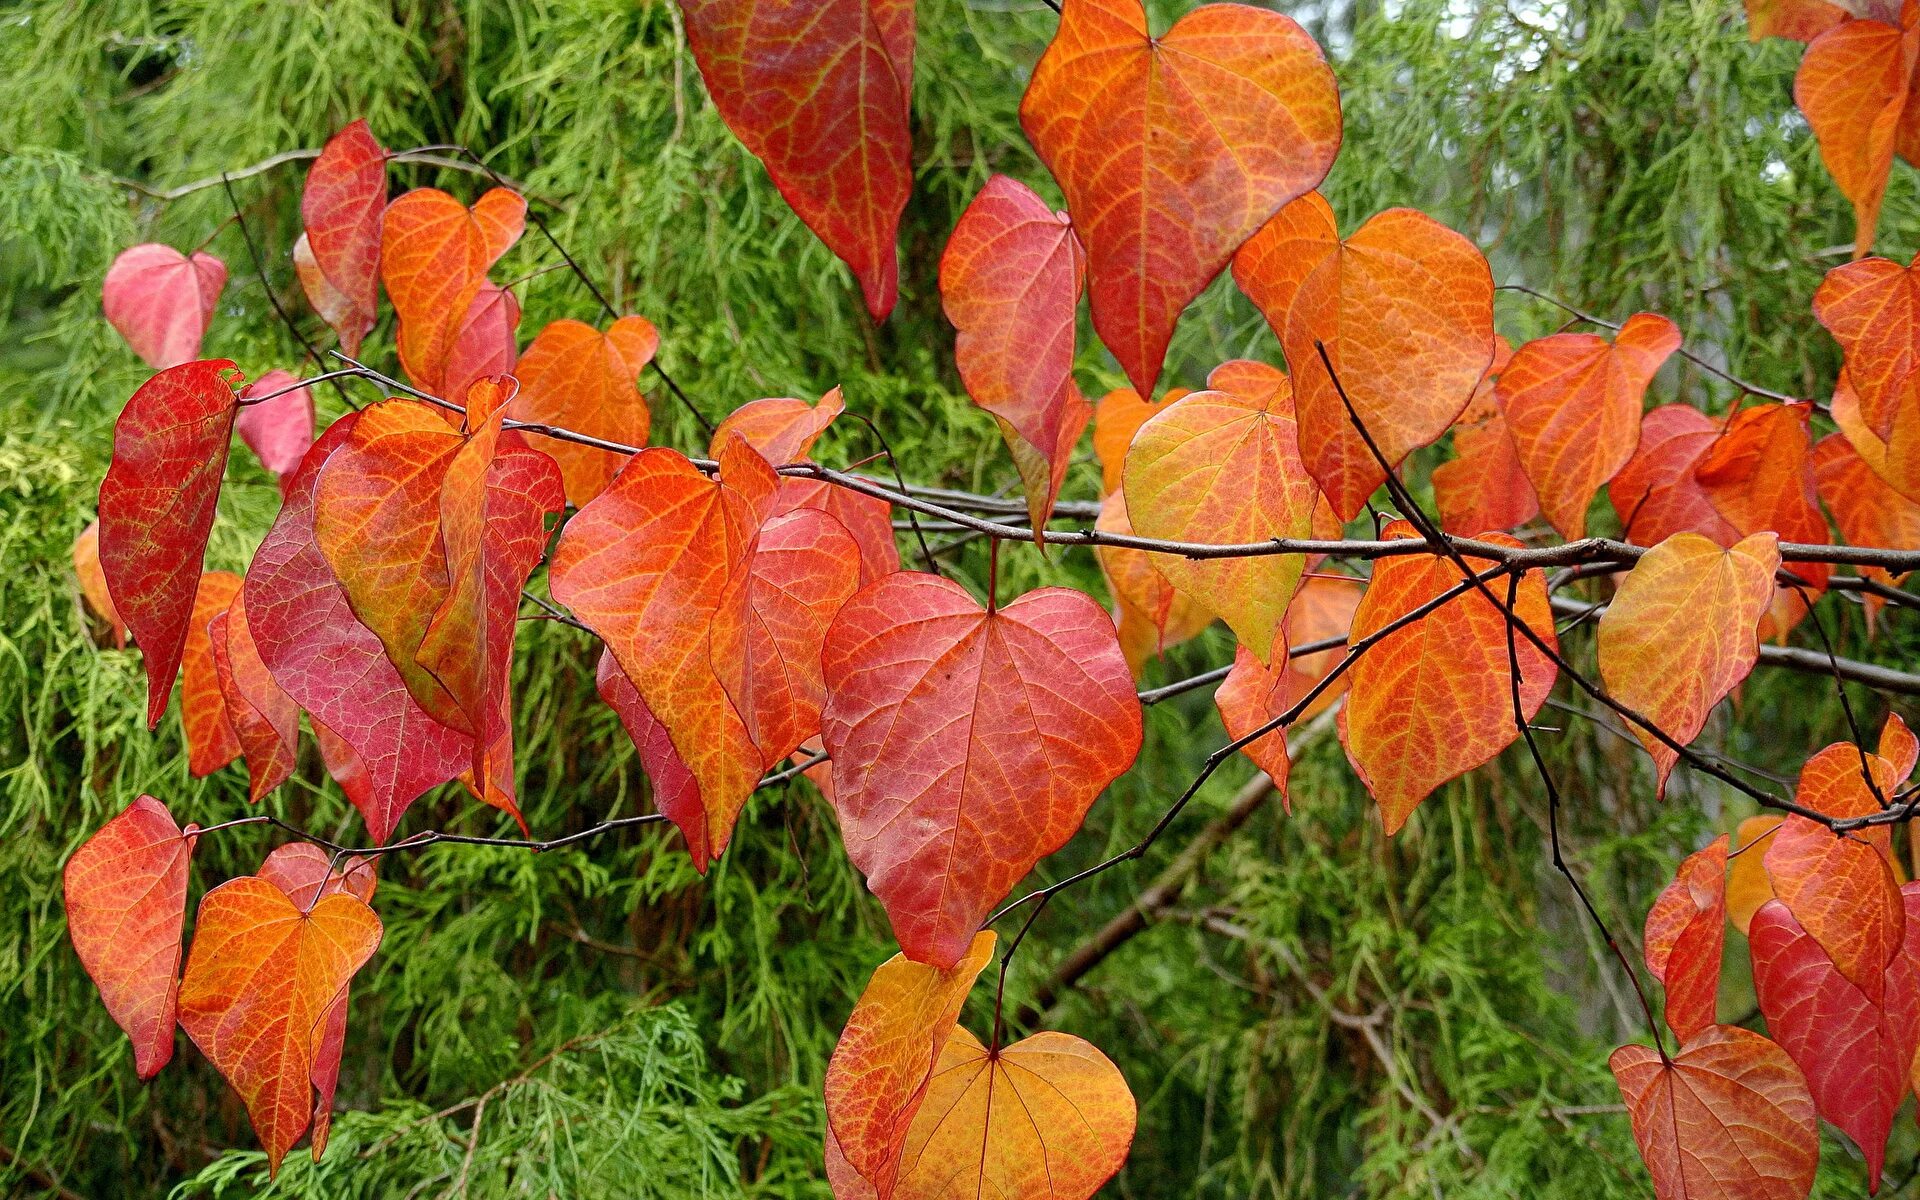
1872 308
335 667
156 509
211 740
1173 150
279 430
1855 1053
587 381
93 582
1434 700
966 744
1572 404
126 900
1728 1116
162 302
676 793
1867 510
1253 694
346 194
1686 930
1010 280
259 986
1483 486
434 256
1405 309
819 93
1656 493
1853 86
264 718
485 344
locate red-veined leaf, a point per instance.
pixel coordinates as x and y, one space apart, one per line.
211 740
1853 86
280 429
1872 308
265 720
93 582
1656 494
676 793
161 301
346 194
1685 932
434 256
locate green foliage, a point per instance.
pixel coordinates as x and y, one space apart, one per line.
1326 1012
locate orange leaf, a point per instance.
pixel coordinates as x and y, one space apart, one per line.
1572 404
126 901
1252 694
156 509
820 93
1798 20
265 720
1656 494
1405 309
1173 150
1728 1116
1686 929
1224 466
782 429
1855 1053
676 793
1872 308
336 668
211 741
1853 86
340 208
1759 476
93 582
885 1059
1116 418
967 744
1047 1118
1483 486
1010 281
1867 510
1433 700
1682 631
259 984
1747 884
161 301
576 377
1151 615
434 255
1896 459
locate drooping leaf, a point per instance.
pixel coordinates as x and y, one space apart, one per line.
1483 486
819 93
885 1059
93 582
1222 467
1856 1053
1867 510
346 194
1405 309
161 301
1572 405
1682 631
1686 929
485 344
1116 418
676 793
126 902
335 667
1047 1118
1010 282
1759 476
1253 694
1151 614
260 980
1656 494
1174 150
265 720
277 430
1728 1116
578 378
156 509
1853 85
967 744
211 740
1434 700
1872 308
434 256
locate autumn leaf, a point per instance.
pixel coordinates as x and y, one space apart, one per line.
265 720
1116 418
967 744
1483 486
278 430
1686 929
1434 700
1682 631
885 1059
1010 282
341 207
1572 405
1797 20
1656 494
676 793
1728 1116
1867 510
1853 85
1224 467
485 344
211 740
1872 308
156 509
1856 1053
1759 476
819 94
578 378
782 429
1897 459
126 902
1405 309
1151 615
336 668
1253 694
1747 884
434 257
1173 150
93 582
161 301
260 980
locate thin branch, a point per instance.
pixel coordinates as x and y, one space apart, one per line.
420 155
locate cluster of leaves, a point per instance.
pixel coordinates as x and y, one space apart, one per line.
753 602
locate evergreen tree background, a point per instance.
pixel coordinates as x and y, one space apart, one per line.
1325 1013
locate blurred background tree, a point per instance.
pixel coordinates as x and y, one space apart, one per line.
1321 1011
